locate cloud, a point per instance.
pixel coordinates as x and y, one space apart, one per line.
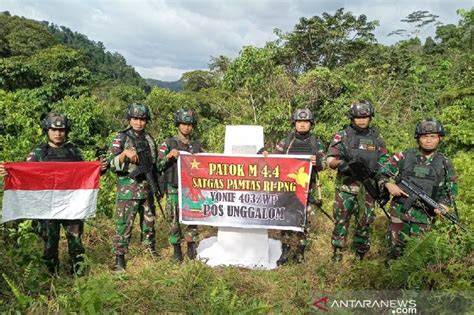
163 73
163 39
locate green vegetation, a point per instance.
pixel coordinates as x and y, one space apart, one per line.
319 65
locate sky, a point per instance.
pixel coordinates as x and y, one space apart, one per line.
163 39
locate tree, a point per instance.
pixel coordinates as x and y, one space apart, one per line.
22 37
459 37
252 74
418 20
197 80
327 41
163 104
219 65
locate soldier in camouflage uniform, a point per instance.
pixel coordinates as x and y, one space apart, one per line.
427 168
57 149
133 194
300 142
362 143
185 121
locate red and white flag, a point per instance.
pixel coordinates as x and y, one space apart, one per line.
50 190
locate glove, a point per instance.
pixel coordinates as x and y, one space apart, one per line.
344 168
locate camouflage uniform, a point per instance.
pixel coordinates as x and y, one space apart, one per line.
169 168
300 142
351 196
297 144
49 230
133 195
414 165
183 118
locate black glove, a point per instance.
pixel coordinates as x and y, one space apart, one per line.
344 168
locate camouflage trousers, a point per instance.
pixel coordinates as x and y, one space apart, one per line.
176 232
126 212
400 229
346 205
49 231
294 238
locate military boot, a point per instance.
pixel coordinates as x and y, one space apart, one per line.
77 267
177 254
337 256
53 269
119 263
360 254
53 266
192 250
299 257
153 252
285 253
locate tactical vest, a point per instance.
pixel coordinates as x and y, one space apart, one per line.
308 146
428 177
144 141
296 146
171 173
65 153
362 147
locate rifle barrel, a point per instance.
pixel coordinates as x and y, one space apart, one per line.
419 193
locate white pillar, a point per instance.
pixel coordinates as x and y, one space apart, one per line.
249 248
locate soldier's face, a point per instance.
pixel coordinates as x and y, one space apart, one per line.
137 124
56 136
302 126
429 142
185 129
362 122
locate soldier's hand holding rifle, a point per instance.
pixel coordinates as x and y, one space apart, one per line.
130 154
394 190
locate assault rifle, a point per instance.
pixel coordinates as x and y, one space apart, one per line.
101 154
145 167
416 192
318 202
362 173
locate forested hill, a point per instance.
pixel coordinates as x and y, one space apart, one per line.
171 85
324 63
20 37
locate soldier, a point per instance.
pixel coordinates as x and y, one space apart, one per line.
56 127
360 143
185 121
133 192
300 142
427 168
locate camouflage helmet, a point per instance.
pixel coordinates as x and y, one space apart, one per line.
361 109
55 121
429 125
303 114
184 116
138 110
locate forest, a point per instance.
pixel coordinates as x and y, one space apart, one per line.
324 63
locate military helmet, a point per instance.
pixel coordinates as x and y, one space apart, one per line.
361 109
55 121
138 110
429 125
303 114
184 116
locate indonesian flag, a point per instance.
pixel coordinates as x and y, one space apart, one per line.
50 190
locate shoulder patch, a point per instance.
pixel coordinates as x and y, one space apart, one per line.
116 142
399 156
337 138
